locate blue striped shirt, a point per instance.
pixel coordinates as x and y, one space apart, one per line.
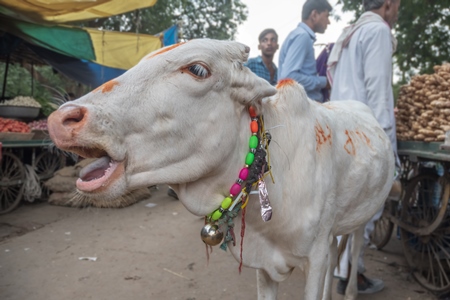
259 68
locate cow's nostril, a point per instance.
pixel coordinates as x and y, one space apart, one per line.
73 116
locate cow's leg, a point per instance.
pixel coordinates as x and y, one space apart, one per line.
332 261
318 267
352 287
267 288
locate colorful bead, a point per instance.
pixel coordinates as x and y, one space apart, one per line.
216 215
253 142
243 174
249 158
254 126
226 202
252 111
235 189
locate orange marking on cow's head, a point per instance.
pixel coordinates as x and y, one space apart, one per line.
165 49
285 82
107 86
349 146
321 137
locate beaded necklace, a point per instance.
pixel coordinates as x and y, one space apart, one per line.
220 221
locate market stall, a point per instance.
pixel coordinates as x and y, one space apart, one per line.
25 159
422 214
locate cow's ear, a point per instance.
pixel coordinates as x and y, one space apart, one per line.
248 88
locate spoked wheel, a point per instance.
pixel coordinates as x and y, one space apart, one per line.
12 178
46 164
382 232
427 242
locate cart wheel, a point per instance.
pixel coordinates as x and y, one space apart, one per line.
382 232
47 163
12 178
428 255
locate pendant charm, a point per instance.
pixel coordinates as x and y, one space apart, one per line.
211 235
266 209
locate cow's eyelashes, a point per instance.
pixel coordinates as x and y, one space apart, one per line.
198 70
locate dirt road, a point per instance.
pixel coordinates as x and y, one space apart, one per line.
144 252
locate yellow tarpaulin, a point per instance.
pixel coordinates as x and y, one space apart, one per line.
63 11
121 49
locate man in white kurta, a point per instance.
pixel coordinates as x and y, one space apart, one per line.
360 68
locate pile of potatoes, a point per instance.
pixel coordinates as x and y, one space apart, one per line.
424 107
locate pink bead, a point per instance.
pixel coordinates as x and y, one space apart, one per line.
235 189
243 174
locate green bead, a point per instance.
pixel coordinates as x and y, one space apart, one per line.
253 143
226 202
249 158
216 215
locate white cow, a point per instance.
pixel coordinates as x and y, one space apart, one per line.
181 117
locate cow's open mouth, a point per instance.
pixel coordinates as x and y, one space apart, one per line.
97 174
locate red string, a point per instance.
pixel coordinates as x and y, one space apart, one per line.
242 237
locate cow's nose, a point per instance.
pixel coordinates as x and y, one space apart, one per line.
65 123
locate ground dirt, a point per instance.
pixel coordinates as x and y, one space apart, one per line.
145 252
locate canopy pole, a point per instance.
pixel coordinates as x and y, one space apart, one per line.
4 79
32 80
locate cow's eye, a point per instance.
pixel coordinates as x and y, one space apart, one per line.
199 70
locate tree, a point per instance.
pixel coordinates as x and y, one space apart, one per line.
216 19
422 32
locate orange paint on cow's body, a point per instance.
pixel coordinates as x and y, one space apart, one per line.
107 86
285 82
367 140
165 49
350 143
349 146
321 137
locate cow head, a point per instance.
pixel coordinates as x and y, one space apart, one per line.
173 118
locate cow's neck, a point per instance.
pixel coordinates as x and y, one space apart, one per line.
251 175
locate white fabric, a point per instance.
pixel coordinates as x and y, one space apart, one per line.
360 68
364 73
344 39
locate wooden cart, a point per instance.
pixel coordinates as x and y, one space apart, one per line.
13 156
422 214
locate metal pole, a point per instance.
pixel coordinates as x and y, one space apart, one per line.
32 80
4 79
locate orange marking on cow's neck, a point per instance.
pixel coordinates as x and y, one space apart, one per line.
107 86
165 49
285 82
349 146
321 137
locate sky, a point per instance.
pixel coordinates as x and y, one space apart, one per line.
283 16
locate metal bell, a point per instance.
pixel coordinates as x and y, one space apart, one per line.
211 235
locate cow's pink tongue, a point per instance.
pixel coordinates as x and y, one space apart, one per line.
96 174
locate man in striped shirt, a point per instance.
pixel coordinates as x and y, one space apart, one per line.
263 65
